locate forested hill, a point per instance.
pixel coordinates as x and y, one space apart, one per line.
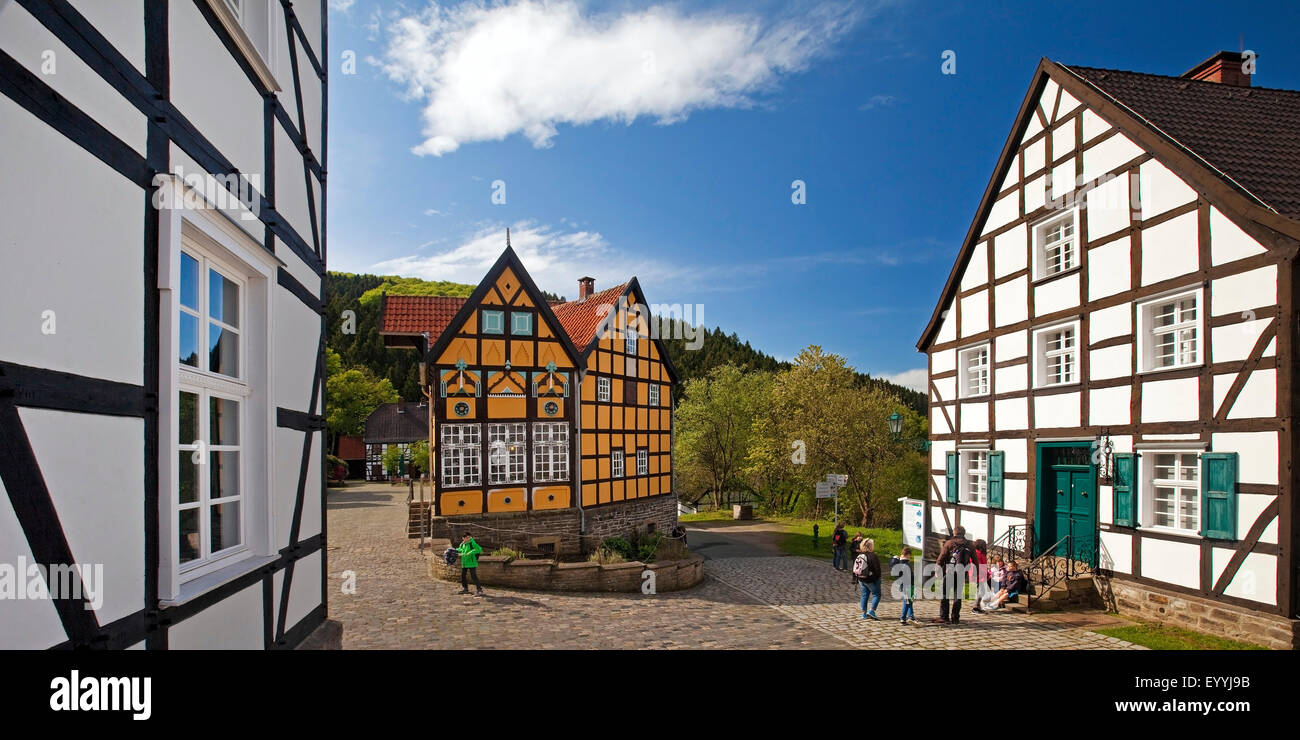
365 348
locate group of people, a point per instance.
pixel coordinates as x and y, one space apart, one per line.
961 561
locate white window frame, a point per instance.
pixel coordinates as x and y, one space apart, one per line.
506 466
1041 245
1150 482
550 451
236 16
654 394
224 245
460 455
964 368
643 461
973 472
603 386
1146 312
1044 354
616 464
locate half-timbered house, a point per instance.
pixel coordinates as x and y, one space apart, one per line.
161 348
1112 361
552 421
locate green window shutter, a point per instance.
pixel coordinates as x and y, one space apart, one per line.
996 464
1219 495
952 477
1124 485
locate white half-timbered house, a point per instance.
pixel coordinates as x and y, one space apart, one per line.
162 255
1112 361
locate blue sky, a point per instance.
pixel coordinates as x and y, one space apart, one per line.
662 139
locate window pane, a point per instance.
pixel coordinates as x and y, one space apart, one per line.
189 541
189 477
223 351
189 335
224 474
223 414
225 526
223 299
189 418
189 281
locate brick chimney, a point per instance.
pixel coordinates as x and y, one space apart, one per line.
1224 68
586 286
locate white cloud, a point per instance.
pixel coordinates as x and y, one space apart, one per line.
879 101
487 72
342 6
433 212
917 380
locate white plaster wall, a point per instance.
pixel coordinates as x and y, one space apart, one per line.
1255 580
1035 156
943 360
1035 193
1093 125
1003 212
1108 209
1056 295
1110 322
1161 189
1108 269
1002 522
305 593
1011 345
28 623
1010 251
1057 410
1256 454
1013 496
1013 378
947 327
1109 406
1234 342
1062 139
1067 104
1105 156
975 313
291 201
1244 291
1228 242
1013 173
1110 362
94 469
1016 455
1012 413
89 263
976 272
1258 397
1169 249
974 416
976 524
120 23
1063 178
1117 551
1249 507
946 387
234 623
27 41
1011 301
938 422
1171 562
1170 400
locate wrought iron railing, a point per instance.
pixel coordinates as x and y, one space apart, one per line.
1014 544
1070 557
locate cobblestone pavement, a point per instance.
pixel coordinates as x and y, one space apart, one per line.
746 603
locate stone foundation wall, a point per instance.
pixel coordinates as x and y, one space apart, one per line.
528 530
548 575
1200 614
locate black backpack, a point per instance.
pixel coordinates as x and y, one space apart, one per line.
961 554
449 556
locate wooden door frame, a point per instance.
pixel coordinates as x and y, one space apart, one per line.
1040 477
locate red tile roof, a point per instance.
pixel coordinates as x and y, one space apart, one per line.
413 314
581 318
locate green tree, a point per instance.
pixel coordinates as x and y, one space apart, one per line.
714 420
415 454
351 396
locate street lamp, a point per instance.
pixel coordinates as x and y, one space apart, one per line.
896 424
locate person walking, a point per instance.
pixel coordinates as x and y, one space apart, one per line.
854 546
954 558
900 568
839 543
866 569
469 551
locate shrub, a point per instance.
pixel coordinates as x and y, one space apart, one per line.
620 546
605 557
647 547
507 552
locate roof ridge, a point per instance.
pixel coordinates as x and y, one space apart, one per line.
1180 78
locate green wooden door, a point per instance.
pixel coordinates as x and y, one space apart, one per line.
1068 503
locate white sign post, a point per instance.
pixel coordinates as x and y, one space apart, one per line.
914 523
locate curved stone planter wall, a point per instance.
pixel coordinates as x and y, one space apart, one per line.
548 575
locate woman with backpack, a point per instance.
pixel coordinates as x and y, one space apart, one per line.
866 569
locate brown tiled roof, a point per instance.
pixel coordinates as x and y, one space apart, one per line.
413 314
401 422
580 319
1250 134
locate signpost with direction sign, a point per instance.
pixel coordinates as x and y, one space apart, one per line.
914 523
830 488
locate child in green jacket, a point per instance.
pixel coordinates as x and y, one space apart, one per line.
469 550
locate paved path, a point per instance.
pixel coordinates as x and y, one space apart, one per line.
751 599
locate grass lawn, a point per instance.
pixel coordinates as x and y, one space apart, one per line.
798 540
719 515
1165 637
